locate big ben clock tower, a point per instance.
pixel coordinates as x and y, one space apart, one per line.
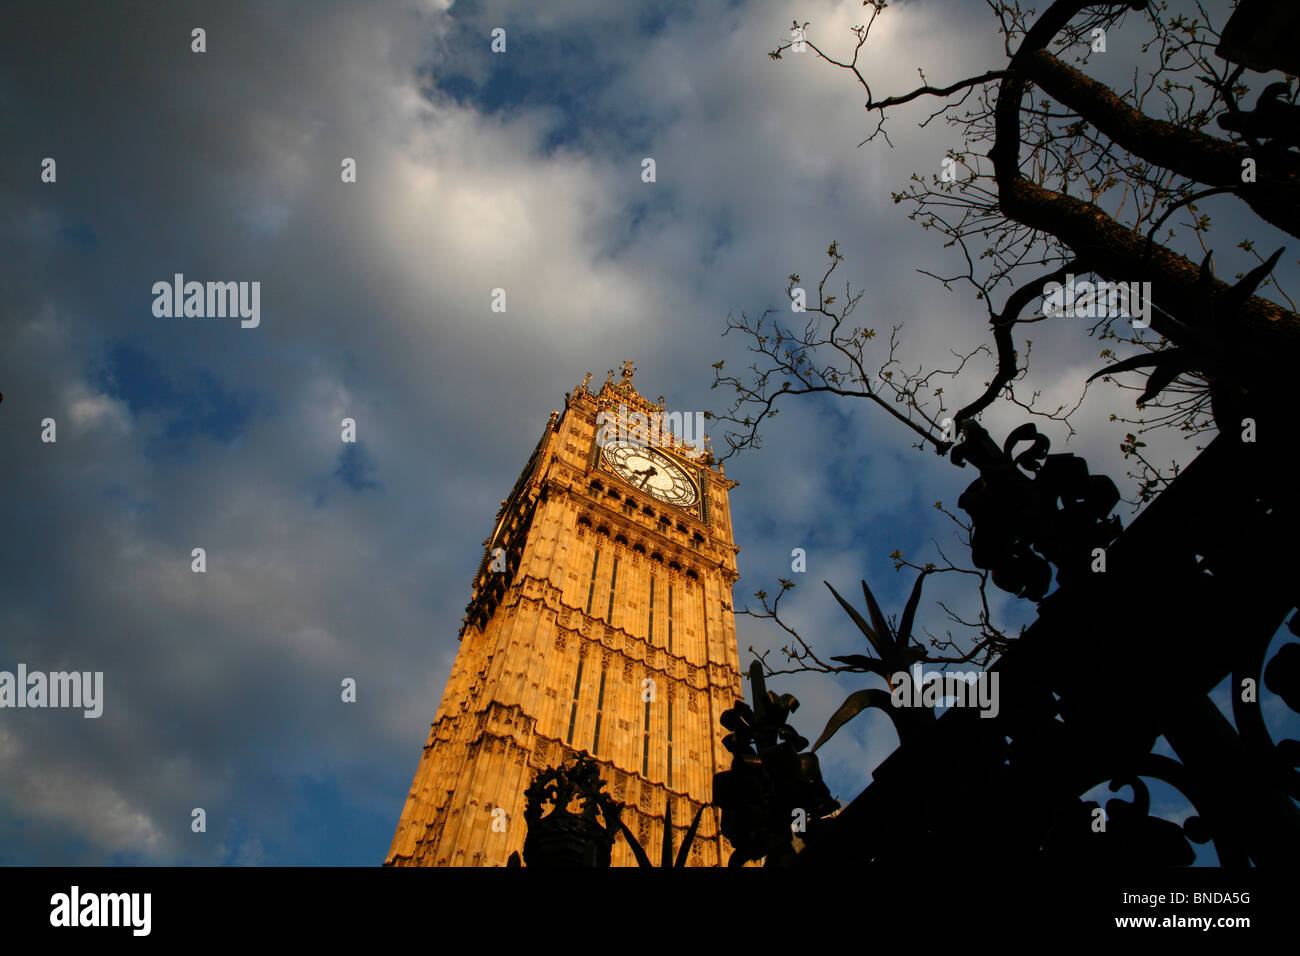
599 621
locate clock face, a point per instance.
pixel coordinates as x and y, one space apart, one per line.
651 471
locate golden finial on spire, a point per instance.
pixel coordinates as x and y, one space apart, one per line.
628 369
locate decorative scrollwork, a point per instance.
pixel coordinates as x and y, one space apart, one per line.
769 779
571 821
1125 833
1024 524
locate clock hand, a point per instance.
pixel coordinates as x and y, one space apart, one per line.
649 473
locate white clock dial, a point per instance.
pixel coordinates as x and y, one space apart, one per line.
652 471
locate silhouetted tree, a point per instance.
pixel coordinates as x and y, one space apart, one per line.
1057 173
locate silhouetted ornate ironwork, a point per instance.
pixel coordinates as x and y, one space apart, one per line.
666 854
896 655
1021 523
1192 597
769 779
571 821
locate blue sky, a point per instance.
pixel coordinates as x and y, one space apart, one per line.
476 171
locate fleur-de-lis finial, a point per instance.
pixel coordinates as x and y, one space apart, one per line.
628 369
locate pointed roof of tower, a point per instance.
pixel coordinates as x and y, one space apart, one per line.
622 392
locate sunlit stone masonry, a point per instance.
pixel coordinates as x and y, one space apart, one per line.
598 622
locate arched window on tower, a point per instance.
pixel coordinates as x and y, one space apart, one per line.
600 710
573 710
613 583
645 742
670 745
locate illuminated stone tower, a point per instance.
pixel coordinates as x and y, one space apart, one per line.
598 621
